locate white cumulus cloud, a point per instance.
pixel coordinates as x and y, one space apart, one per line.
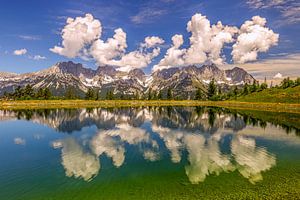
254 37
82 38
206 43
278 76
251 160
20 52
153 41
174 55
78 33
103 52
113 52
78 163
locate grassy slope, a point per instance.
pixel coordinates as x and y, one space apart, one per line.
274 95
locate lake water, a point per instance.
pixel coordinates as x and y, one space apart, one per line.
149 153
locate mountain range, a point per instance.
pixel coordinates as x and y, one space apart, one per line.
184 81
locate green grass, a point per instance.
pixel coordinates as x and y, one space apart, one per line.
47 104
274 95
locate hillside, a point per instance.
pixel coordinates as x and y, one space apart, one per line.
274 95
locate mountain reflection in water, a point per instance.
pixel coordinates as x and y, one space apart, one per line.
197 132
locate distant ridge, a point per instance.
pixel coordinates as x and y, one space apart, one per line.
183 81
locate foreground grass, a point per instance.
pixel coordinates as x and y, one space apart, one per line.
274 95
44 104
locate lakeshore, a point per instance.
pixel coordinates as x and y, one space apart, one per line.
44 104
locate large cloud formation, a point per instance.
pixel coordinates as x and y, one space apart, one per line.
82 38
254 37
251 160
76 161
139 58
207 42
174 55
78 33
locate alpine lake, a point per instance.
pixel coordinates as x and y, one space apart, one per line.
149 153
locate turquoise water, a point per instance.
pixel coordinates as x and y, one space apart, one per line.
149 153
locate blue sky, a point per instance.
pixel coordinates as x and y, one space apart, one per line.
35 25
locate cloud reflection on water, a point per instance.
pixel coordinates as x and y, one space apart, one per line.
251 160
76 161
19 141
205 158
103 142
203 153
192 137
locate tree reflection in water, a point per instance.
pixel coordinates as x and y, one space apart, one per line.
198 131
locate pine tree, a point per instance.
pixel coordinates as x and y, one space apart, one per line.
169 94
235 91
40 93
47 94
5 95
97 95
246 89
137 96
110 95
160 96
212 89
219 91
18 92
154 95
254 87
149 94
297 81
28 92
70 93
263 86
90 94
287 83
199 94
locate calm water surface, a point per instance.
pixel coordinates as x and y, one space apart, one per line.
149 153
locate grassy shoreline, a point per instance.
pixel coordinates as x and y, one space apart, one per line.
44 104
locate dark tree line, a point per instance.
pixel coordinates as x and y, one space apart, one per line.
213 92
28 93
287 82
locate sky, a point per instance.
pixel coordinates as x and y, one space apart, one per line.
261 36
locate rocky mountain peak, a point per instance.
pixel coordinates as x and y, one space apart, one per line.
212 68
106 70
239 75
209 72
138 73
75 69
165 73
